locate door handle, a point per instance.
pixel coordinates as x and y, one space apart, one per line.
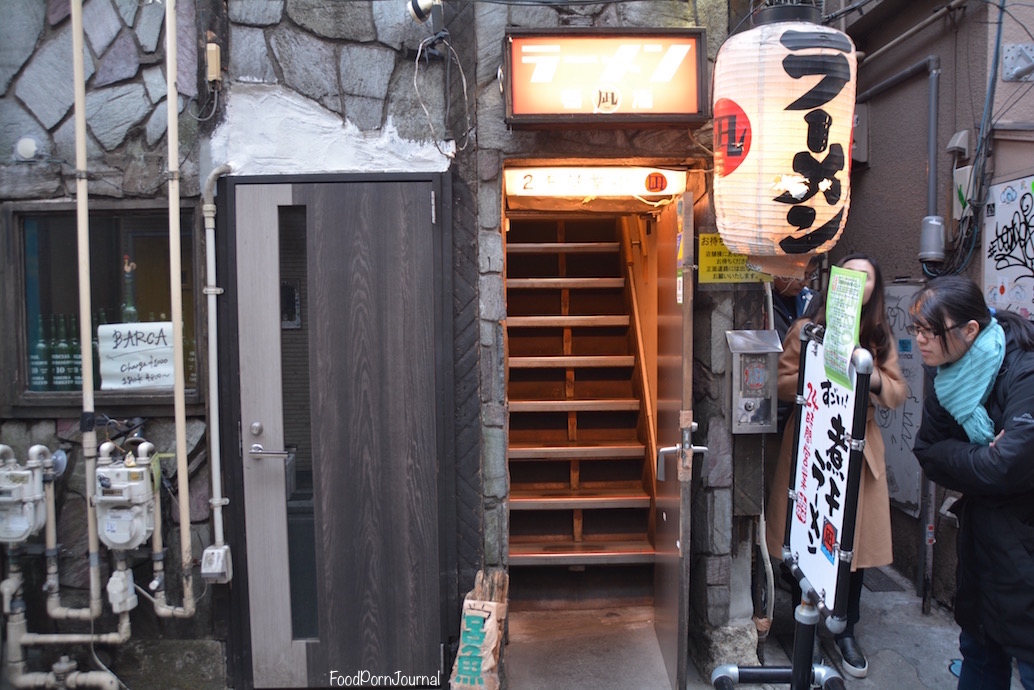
259 453
669 450
661 452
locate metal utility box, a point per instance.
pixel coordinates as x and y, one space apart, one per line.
755 364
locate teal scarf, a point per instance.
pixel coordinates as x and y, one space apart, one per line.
964 386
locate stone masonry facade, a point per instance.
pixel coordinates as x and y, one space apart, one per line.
357 61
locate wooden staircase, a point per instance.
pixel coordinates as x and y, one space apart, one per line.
580 489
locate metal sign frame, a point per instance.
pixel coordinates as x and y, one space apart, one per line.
820 437
617 39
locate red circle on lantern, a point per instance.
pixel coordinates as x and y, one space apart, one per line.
731 136
656 182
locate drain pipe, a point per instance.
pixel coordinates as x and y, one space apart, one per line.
212 290
179 397
932 65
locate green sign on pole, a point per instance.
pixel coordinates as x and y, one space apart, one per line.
843 313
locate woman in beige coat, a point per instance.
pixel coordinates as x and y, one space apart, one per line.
887 387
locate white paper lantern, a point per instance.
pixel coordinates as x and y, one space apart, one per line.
783 110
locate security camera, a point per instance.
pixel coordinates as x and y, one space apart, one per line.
420 10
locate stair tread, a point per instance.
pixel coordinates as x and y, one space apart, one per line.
558 247
568 321
572 361
565 282
523 451
567 499
581 553
589 405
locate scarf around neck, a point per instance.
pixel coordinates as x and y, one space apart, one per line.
963 386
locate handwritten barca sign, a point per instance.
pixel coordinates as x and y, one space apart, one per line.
136 356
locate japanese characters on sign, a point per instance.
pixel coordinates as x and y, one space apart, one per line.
574 181
719 265
477 659
843 313
783 116
570 76
820 474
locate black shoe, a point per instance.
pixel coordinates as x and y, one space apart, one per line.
854 659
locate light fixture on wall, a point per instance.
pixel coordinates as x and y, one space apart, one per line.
420 10
27 149
783 107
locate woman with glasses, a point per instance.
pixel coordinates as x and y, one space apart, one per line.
977 437
872 542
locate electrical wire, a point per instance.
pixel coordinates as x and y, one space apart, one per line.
213 98
426 46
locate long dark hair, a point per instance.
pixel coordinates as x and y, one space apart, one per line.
874 331
959 300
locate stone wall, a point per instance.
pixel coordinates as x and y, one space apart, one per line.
323 86
126 108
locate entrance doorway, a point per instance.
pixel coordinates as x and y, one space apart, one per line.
595 389
340 308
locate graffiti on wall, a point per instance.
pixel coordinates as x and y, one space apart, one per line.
1009 246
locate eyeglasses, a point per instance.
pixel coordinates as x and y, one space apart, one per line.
929 333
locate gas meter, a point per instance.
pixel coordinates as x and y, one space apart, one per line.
755 363
22 508
124 500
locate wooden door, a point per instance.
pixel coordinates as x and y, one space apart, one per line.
341 310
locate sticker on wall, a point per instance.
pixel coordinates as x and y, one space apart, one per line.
1008 252
719 265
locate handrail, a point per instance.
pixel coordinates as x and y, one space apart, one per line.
647 402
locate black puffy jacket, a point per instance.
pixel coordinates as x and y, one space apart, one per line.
995 579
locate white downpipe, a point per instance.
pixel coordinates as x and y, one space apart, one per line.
175 267
85 331
212 290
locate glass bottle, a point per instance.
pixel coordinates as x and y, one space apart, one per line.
39 359
129 313
190 349
102 320
61 358
77 354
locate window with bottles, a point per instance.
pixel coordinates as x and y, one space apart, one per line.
129 284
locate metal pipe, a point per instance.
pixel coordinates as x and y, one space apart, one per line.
89 434
52 585
179 398
211 290
932 65
951 6
931 135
